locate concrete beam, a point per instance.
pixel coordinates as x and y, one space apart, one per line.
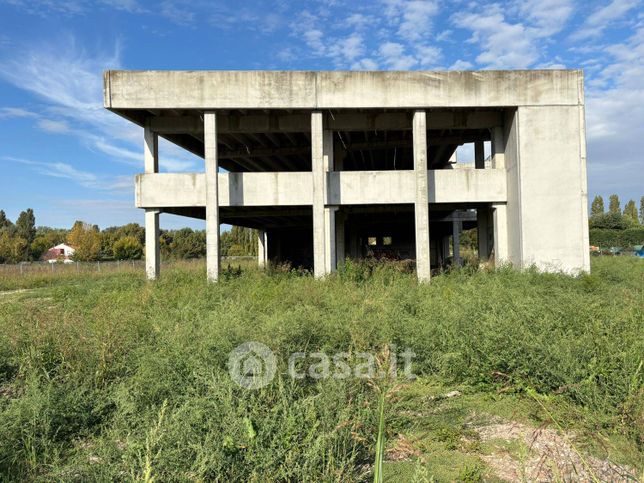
212 196
336 121
421 208
163 190
337 89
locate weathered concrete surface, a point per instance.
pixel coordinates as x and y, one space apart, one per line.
551 183
421 208
338 89
318 175
344 188
151 166
212 196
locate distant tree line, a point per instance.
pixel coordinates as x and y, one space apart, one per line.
22 241
616 227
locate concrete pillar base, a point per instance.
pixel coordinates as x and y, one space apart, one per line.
262 248
500 217
152 251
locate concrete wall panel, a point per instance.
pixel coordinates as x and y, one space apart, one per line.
551 180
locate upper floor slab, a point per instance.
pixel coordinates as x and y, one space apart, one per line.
203 90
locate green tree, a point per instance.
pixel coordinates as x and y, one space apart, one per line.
610 221
5 222
597 207
630 211
85 239
642 210
26 225
12 248
26 230
239 241
613 204
183 244
128 248
110 235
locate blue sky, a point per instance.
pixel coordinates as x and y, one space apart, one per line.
65 156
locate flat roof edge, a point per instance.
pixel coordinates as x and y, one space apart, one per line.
248 89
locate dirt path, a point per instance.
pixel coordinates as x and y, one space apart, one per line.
546 456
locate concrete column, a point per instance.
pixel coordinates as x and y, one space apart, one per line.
498 148
339 239
319 174
484 227
419 126
152 251
500 218
330 259
479 155
212 196
151 162
262 248
456 242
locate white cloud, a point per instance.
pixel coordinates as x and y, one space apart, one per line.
615 115
176 12
414 17
365 64
13 112
52 126
428 55
347 50
403 36
547 16
503 45
460 65
82 178
71 7
603 17
394 57
360 21
70 82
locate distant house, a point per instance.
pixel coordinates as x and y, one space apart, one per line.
59 253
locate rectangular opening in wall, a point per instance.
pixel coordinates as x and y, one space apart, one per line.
264 140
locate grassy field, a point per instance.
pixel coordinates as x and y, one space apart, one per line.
107 377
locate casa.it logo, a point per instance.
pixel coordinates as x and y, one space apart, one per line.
252 365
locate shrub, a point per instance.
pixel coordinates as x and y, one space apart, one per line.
127 248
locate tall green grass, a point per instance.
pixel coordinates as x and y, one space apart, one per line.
110 377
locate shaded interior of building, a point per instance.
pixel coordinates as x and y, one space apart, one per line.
363 140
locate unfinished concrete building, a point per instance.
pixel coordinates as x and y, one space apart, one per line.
330 165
